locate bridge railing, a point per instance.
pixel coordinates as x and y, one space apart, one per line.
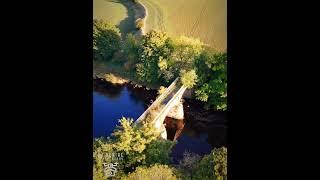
158 100
165 110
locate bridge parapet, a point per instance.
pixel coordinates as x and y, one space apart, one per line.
159 100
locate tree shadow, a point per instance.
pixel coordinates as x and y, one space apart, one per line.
127 25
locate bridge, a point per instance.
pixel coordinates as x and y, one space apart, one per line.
168 104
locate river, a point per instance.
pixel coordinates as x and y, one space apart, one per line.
201 130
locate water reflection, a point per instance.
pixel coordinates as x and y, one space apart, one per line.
199 132
107 89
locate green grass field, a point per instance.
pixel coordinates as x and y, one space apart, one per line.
116 12
203 19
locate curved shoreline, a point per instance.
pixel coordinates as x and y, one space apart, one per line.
142 13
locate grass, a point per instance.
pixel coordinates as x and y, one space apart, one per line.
203 19
117 12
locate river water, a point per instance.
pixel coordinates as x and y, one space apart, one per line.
200 136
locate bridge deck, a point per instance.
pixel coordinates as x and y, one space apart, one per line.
161 101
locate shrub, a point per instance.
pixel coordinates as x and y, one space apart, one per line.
212 166
130 48
139 23
161 90
158 152
156 172
188 163
220 163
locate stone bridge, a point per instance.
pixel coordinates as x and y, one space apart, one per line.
168 104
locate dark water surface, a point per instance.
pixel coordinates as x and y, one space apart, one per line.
111 102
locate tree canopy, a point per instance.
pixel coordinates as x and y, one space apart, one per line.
106 40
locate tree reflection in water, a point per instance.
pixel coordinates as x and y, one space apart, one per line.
139 93
107 89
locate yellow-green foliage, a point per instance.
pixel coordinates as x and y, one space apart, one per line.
156 172
139 23
154 47
138 143
212 166
101 151
188 78
132 140
220 163
161 90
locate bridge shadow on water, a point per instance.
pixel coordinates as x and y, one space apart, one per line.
127 25
199 132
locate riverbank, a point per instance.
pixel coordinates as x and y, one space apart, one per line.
199 117
100 69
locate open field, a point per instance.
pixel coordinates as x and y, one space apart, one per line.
203 19
117 12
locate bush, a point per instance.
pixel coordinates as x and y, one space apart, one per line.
139 23
106 40
188 163
130 48
212 166
155 172
158 152
220 163
161 90
188 78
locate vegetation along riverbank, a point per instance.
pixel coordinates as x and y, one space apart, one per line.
150 43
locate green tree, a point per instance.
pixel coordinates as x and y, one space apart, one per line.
139 143
156 172
106 40
212 166
130 48
212 79
132 139
155 47
158 152
185 52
